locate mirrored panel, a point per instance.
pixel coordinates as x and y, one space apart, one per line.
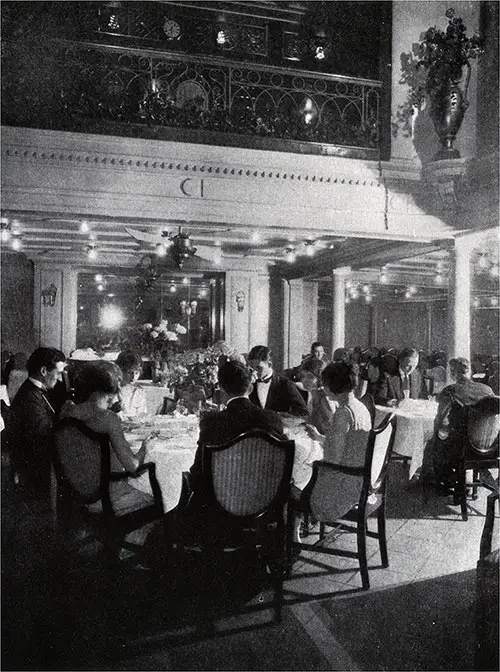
161 314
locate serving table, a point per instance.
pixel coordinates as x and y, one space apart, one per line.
414 428
175 447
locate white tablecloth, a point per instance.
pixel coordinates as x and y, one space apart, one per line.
414 427
175 448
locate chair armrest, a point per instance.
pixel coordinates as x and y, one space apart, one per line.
119 475
146 466
342 468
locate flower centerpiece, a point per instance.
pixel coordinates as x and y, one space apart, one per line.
192 375
433 71
154 341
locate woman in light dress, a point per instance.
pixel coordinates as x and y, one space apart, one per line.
320 407
345 443
131 396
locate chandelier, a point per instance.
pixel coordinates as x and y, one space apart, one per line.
181 247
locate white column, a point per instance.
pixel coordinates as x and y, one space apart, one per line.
459 300
338 310
293 323
258 307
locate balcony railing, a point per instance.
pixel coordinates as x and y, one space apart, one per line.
94 88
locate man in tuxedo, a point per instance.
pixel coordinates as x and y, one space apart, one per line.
239 416
406 382
270 391
29 430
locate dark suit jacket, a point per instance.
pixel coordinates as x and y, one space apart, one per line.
29 438
239 416
391 387
283 397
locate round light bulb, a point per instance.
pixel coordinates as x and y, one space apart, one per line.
98 277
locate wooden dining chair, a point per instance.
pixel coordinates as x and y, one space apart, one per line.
245 489
368 400
487 580
321 493
82 465
479 449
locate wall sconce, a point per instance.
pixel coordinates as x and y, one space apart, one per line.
92 252
49 295
5 232
240 300
16 244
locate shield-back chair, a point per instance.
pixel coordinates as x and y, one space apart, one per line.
372 476
479 448
245 489
82 464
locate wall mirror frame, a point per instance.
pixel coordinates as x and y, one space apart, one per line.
120 308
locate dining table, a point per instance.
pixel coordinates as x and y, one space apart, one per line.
414 428
173 450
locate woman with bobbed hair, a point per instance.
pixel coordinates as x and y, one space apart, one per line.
131 396
345 443
320 408
97 385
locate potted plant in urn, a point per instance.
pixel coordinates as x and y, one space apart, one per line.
434 71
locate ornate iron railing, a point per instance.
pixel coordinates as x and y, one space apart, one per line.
107 84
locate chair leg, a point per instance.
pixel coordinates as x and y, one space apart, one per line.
305 531
475 483
382 538
460 494
363 564
322 531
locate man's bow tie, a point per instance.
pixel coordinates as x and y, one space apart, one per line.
265 380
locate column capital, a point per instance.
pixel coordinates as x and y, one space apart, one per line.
342 271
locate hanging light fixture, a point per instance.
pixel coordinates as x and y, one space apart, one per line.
181 248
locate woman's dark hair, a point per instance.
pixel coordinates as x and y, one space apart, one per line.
102 376
128 360
339 377
311 365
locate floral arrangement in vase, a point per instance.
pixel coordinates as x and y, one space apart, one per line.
192 375
155 342
433 71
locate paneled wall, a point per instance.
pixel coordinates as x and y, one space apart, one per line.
17 304
391 325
